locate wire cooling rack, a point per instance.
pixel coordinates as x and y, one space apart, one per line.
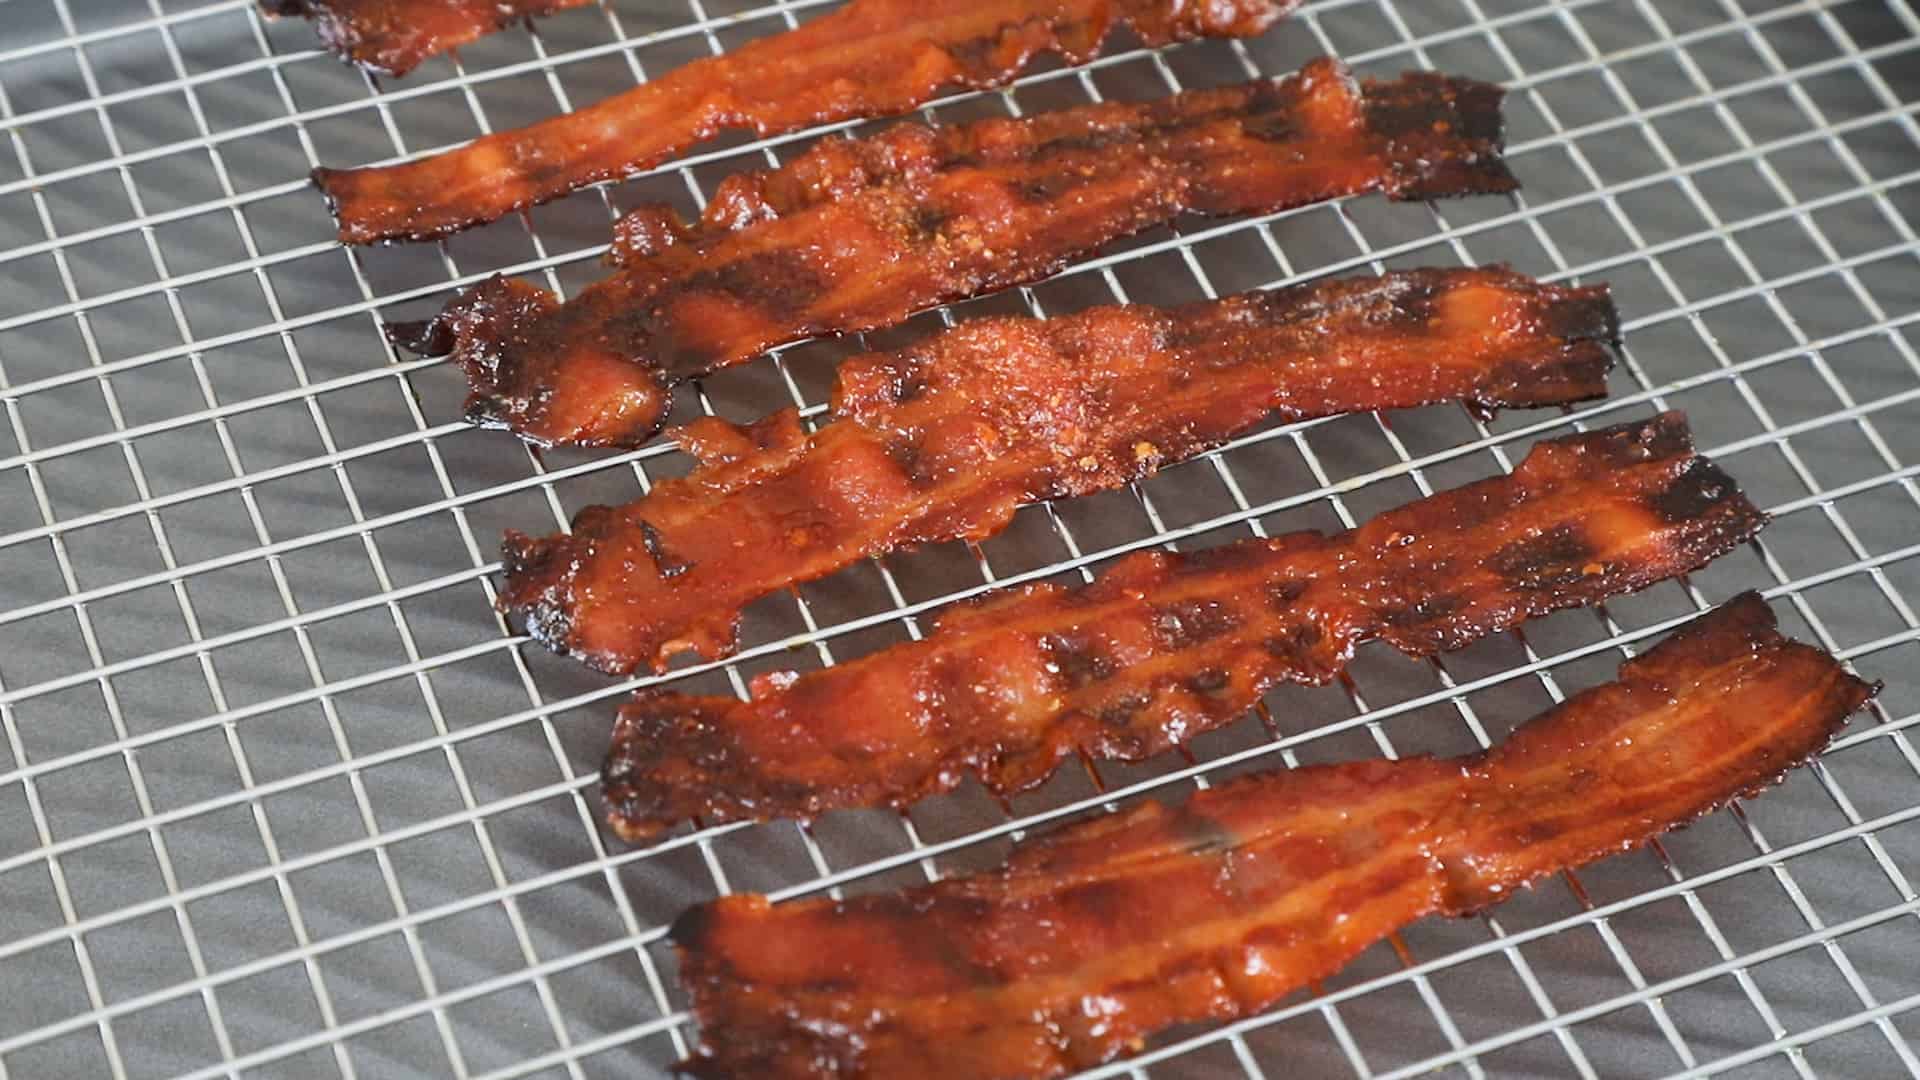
281 796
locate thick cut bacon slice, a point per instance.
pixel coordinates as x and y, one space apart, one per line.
1163 647
1102 933
392 37
944 440
869 58
861 234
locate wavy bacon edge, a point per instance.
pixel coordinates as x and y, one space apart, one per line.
860 235
1163 647
945 439
870 58
1099 934
392 37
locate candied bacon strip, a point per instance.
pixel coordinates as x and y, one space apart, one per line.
1099 934
392 37
858 235
1164 647
869 58
945 439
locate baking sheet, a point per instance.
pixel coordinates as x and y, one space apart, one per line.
279 797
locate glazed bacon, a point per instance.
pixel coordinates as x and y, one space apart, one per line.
869 58
1096 936
392 37
860 234
1164 647
946 439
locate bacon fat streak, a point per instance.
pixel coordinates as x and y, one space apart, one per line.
869 58
1164 647
392 37
1097 935
859 234
945 439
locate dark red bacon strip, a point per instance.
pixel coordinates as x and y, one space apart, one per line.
1098 935
861 234
944 440
1164 647
869 58
392 37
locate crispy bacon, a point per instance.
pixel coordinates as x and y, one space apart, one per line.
869 58
1096 936
1164 647
392 37
945 439
860 234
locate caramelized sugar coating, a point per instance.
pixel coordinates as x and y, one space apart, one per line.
945 439
392 37
869 58
861 234
1099 934
1163 647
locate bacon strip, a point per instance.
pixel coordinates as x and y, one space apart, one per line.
945 439
392 37
860 234
869 58
1164 647
1099 934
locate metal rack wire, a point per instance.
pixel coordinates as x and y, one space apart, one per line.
280 796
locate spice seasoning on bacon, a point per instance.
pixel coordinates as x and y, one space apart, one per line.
1097 935
870 58
861 234
392 37
1162 647
945 439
